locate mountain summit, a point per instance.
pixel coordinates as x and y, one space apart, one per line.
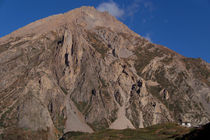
86 71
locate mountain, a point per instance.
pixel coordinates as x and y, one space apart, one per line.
86 71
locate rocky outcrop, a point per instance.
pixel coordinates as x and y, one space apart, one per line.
85 71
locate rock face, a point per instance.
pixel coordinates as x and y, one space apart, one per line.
85 71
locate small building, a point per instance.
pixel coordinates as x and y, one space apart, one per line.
186 124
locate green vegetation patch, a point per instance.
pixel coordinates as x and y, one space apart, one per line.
199 70
5 117
97 43
146 54
23 134
103 82
160 78
158 132
60 123
135 115
82 106
4 47
167 60
64 90
143 58
99 125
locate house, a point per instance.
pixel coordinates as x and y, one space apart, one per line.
186 124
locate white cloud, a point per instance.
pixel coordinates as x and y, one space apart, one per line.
148 37
141 5
112 8
133 8
129 10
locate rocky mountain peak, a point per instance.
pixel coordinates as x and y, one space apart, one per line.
86 17
85 71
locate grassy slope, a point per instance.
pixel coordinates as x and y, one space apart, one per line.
157 132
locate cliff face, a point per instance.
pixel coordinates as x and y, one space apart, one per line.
86 71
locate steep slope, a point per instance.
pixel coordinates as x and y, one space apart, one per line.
86 71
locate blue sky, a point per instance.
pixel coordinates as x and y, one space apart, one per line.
181 25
